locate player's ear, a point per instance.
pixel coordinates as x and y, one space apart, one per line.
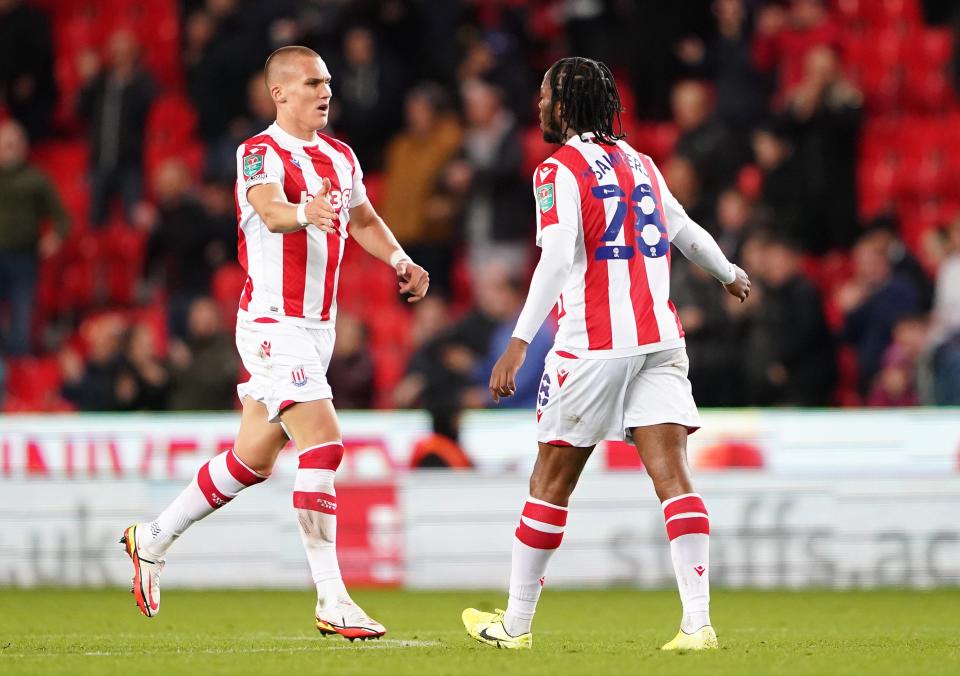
277 94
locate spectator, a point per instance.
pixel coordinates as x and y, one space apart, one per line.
418 215
946 296
710 335
703 139
27 198
884 231
27 86
369 89
741 91
507 297
494 59
791 351
144 383
782 201
260 112
497 219
204 366
785 37
225 43
115 103
735 221
896 383
872 303
350 373
826 111
684 182
96 385
185 244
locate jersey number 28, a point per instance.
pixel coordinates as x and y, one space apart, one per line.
653 240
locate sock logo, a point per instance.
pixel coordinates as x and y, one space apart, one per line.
700 570
542 581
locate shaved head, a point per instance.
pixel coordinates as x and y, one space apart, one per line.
299 86
280 64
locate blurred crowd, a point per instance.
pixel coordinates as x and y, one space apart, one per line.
755 111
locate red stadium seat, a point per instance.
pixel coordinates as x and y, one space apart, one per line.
34 382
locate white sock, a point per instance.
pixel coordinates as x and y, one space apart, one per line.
315 500
215 484
536 539
688 528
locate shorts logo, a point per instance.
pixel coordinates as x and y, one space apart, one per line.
562 376
545 197
265 349
252 164
299 376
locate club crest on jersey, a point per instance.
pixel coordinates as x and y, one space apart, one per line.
299 376
252 164
545 197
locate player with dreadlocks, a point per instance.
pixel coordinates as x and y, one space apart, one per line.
618 370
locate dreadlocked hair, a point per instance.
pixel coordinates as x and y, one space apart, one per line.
588 97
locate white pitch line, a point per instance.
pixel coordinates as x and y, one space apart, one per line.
382 644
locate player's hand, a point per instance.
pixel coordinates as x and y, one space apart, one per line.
740 286
503 379
319 211
413 280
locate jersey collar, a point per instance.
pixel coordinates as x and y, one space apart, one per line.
289 140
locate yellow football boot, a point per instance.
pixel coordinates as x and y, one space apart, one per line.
488 628
704 638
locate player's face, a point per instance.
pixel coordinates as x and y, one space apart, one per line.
308 92
549 124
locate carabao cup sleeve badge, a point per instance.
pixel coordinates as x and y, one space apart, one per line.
545 197
252 165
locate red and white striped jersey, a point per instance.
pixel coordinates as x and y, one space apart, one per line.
293 277
617 300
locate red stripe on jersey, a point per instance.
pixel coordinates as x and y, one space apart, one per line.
241 472
547 514
341 148
537 538
316 502
696 524
691 503
676 316
648 165
640 296
323 165
294 243
214 497
596 281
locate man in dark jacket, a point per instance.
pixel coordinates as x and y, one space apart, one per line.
26 198
115 103
27 86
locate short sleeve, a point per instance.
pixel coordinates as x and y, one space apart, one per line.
557 198
676 215
258 164
359 194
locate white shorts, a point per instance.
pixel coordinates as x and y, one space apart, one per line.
585 401
287 364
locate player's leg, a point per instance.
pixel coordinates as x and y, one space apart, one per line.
315 430
216 483
660 409
575 410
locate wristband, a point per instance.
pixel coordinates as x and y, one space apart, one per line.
302 214
397 256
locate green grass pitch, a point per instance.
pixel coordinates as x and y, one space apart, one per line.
78 632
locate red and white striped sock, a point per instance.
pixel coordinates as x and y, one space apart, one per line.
217 482
688 528
315 500
536 539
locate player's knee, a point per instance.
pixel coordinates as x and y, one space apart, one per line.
555 489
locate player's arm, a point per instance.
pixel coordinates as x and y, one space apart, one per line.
280 216
558 227
373 235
